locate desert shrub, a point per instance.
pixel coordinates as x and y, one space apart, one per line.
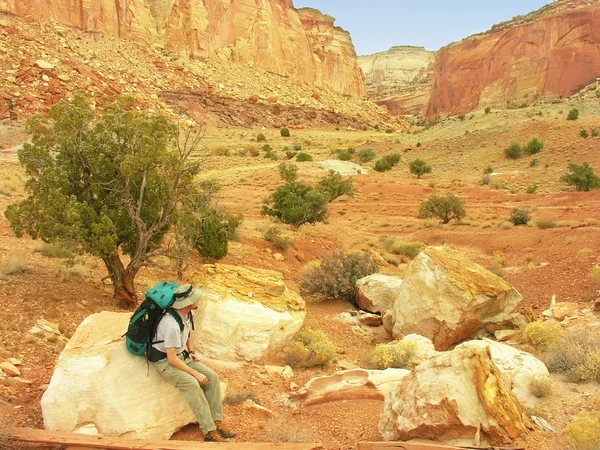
288 172
519 216
279 430
583 432
584 133
545 224
444 208
540 386
210 234
595 274
485 180
221 150
488 170
576 354
387 162
488 110
274 235
284 132
541 335
366 155
461 117
582 177
534 146
236 397
8 187
270 154
573 114
513 151
532 188
252 150
333 185
595 132
309 348
297 147
267 148
534 162
303 157
53 250
419 167
296 203
389 130
344 155
76 271
14 264
419 144
337 275
396 354
411 249
290 154
261 138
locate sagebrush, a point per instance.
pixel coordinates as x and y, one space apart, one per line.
309 348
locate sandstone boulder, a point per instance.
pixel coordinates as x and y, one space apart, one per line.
519 368
343 167
347 385
447 298
377 292
453 397
98 386
248 312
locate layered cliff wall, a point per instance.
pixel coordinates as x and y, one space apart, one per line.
400 78
271 34
554 53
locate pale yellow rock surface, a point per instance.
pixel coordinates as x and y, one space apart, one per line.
377 292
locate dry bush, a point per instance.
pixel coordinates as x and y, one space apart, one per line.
541 335
237 394
309 348
8 187
545 224
411 249
541 386
75 272
279 430
506 225
52 250
596 273
280 241
6 423
14 264
577 354
396 354
583 432
221 150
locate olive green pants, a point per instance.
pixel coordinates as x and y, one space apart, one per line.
204 400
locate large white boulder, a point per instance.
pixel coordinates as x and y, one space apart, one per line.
518 367
248 313
377 292
451 398
447 298
98 387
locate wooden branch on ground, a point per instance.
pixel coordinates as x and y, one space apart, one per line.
418 444
82 441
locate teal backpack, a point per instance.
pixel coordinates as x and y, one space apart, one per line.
145 319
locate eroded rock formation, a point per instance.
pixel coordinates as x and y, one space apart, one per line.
552 53
270 34
400 78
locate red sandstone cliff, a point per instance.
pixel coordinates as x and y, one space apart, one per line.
271 34
556 53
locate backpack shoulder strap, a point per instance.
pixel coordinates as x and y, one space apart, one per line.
177 318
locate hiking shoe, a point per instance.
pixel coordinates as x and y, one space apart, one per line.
224 432
214 436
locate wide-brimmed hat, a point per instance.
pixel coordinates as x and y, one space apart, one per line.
186 295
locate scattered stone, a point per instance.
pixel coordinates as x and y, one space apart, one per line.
505 335
274 370
9 369
44 64
14 361
287 373
543 424
258 410
278 257
344 364
370 320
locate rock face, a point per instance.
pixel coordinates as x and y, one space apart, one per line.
248 313
377 292
451 398
552 53
91 390
399 79
271 34
446 298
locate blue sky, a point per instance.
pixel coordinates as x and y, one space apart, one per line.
377 25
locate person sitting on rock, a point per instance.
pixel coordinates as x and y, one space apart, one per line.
172 353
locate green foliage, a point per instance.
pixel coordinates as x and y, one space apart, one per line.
541 335
595 132
573 114
419 167
488 110
389 130
532 189
296 147
105 182
582 177
387 162
337 275
296 203
284 132
519 216
410 249
261 138
344 155
290 154
303 157
513 151
534 162
266 148
270 154
461 117
584 133
444 208
488 170
419 144
366 155
309 348
333 185
277 238
397 354
534 146
288 172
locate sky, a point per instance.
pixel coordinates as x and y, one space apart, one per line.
377 25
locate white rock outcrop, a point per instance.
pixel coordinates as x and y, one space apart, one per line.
343 167
447 298
377 292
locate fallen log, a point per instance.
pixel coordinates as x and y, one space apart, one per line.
81 441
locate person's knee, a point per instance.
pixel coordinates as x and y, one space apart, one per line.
213 378
187 383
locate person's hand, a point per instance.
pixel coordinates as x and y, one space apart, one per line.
202 380
194 357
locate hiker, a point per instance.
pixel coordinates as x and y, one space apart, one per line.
172 353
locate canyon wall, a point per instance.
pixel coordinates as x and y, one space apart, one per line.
551 54
270 34
400 78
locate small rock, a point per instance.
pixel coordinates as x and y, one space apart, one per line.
14 361
293 386
9 369
278 257
287 372
258 410
344 364
43 64
4 23
45 77
504 335
370 320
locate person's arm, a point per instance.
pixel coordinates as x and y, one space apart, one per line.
179 364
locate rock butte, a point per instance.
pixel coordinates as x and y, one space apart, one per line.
272 35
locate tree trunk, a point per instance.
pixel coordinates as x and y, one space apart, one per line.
122 279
